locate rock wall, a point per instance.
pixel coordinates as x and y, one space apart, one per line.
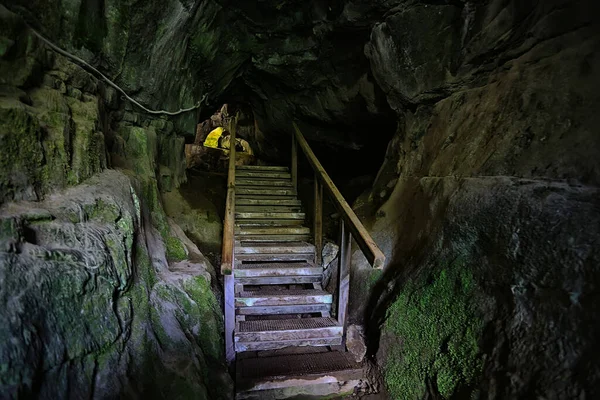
102 296
487 203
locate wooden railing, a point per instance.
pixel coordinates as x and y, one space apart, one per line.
228 249
350 225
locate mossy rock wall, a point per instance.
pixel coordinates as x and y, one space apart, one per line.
87 301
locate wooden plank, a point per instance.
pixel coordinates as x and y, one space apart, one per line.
295 334
262 168
229 318
276 248
263 198
273 238
269 222
279 310
271 230
276 257
363 238
280 280
262 191
283 297
294 168
318 219
266 201
300 388
241 182
267 214
267 208
229 222
283 343
265 175
344 276
266 270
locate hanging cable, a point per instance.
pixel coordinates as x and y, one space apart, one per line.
111 83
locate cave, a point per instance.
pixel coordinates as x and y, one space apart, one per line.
401 200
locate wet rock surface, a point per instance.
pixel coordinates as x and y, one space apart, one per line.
89 298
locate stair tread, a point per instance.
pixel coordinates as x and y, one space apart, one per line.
262 201
286 324
280 183
283 293
275 265
248 247
270 368
272 230
269 214
261 167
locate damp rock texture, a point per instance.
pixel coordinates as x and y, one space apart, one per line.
486 205
90 307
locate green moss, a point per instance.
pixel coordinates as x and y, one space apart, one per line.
210 338
438 329
175 249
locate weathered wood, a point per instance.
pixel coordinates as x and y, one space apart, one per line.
276 248
262 168
280 280
344 275
283 343
265 175
264 191
260 197
276 208
276 257
266 201
266 214
303 328
274 238
271 230
363 238
269 222
318 219
283 297
294 167
292 269
229 318
279 310
241 182
229 222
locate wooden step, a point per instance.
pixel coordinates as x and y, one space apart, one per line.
241 182
267 208
274 238
314 375
282 297
262 174
261 168
281 333
269 222
279 280
277 269
275 248
271 230
248 200
269 215
262 191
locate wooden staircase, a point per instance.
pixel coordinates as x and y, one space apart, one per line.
284 334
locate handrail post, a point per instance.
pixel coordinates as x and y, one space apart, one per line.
228 252
344 276
318 220
294 166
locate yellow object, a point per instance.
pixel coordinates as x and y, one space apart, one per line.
226 144
212 140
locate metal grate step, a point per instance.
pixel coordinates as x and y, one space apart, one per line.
287 324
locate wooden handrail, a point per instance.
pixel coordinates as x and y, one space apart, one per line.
366 243
227 259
